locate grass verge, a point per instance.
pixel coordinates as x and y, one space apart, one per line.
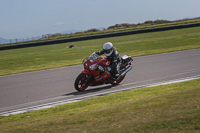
52 56
166 108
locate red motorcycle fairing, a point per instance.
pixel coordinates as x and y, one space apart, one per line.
98 76
101 78
86 72
106 62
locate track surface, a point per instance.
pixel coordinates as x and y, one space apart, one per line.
40 87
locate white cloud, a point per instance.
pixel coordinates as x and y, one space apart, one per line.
59 23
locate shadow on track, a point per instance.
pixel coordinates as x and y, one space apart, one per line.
90 90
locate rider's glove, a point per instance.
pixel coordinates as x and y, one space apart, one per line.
97 53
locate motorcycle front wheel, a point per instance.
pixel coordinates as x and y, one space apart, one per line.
79 83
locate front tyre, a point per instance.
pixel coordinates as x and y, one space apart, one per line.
118 81
80 82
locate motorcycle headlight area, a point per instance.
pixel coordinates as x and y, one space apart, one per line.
92 67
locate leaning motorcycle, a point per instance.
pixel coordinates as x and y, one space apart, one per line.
95 72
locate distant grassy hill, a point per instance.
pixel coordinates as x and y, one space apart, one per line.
116 28
57 55
124 27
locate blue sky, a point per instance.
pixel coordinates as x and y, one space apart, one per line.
31 18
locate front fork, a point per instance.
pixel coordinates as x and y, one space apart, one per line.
87 80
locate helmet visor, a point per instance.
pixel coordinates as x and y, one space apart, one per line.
108 51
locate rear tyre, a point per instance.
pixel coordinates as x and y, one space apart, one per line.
118 81
79 83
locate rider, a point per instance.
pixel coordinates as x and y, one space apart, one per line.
112 54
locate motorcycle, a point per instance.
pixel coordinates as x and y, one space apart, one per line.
95 72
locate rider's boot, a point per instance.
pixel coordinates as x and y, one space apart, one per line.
114 77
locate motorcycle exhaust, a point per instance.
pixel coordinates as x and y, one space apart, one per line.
125 71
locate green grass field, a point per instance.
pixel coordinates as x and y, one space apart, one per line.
57 55
168 108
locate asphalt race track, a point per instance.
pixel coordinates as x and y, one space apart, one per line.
46 86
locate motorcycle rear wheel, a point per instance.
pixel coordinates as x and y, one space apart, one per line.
79 82
118 81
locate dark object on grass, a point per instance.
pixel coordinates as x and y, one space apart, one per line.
71 46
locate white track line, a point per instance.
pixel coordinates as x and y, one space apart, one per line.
186 72
48 105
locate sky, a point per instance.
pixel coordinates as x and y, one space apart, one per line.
31 18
